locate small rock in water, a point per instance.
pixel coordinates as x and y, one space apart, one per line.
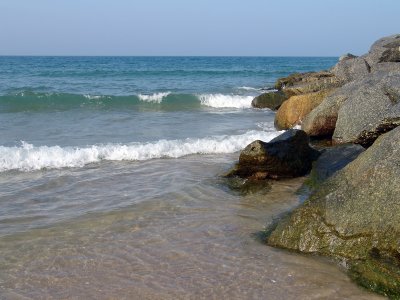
288 155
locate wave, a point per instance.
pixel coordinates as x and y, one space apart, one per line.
29 101
157 97
226 101
30 158
248 88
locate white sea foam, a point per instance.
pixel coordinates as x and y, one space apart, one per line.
93 97
248 88
156 98
267 126
228 101
29 158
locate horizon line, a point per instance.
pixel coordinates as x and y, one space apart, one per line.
108 55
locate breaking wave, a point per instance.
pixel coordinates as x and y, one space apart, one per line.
29 158
32 101
226 101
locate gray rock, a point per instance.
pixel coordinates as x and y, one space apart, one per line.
355 214
321 121
372 108
388 67
332 160
288 155
271 100
386 49
351 69
347 56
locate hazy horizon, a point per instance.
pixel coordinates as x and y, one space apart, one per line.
178 28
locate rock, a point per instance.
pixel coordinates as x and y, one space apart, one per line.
271 100
388 67
355 215
372 108
288 155
386 49
321 121
347 56
332 160
351 68
293 110
302 83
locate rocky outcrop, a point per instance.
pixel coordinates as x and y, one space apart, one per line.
351 69
288 155
353 212
355 215
293 110
386 49
303 83
271 100
372 108
358 74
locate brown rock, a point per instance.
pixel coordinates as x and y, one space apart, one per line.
321 121
303 83
293 110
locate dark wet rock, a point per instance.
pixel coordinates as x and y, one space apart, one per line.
351 69
332 160
303 83
372 108
288 155
378 273
271 100
293 110
244 186
386 49
355 214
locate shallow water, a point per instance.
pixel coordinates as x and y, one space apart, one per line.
158 229
110 186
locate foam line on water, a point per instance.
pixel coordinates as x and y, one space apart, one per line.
156 97
29 158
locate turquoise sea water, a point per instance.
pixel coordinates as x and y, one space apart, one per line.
110 186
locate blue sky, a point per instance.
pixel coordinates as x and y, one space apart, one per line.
197 27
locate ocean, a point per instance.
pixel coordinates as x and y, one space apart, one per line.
111 187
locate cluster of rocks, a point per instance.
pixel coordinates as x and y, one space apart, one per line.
353 212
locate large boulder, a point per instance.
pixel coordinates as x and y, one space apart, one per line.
333 159
303 83
293 110
350 69
288 155
388 67
271 100
321 121
355 214
386 49
372 108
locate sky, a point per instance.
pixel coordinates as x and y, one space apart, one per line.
195 27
